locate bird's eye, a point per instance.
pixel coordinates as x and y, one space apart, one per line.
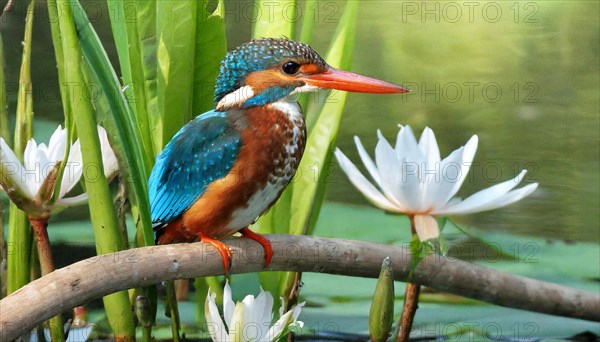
290 68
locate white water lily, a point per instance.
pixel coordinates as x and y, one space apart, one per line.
413 179
31 185
250 319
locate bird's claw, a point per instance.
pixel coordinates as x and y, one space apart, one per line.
263 241
222 248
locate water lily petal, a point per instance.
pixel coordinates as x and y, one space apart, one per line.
413 167
296 310
258 322
482 199
57 144
109 159
449 182
216 327
426 227
73 169
407 146
367 161
236 329
283 323
228 304
251 329
73 201
13 170
429 174
263 306
390 171
429 147
363 185
512 197
441 182
507 199
410 161
31 175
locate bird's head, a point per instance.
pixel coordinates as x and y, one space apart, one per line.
266 70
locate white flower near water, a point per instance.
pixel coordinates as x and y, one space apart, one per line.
412 179
248 320
31 185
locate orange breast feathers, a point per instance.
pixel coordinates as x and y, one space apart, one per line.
266 163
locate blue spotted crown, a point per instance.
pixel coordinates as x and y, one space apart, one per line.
260 54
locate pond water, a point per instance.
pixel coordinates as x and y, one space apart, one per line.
524 76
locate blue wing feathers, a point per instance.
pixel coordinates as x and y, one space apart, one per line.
201 152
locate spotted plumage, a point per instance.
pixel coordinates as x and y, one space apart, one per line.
226 167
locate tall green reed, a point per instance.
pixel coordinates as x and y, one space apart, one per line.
20 235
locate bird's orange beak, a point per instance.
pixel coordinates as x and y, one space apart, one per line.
348 81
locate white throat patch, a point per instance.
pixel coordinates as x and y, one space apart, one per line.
288 106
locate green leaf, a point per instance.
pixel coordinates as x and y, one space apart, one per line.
145 21
418 250
176 27
119 27
128 147
64 93
19 242
102 211
53 15
127 42
211 48
276 19
4 126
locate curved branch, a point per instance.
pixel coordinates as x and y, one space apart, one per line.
96 277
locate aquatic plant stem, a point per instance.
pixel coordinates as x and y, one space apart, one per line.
147 334
173 310
411 301
40 229
42 242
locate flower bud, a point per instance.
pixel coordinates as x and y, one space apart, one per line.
382 308
143 311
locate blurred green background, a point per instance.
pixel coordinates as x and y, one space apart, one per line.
524 76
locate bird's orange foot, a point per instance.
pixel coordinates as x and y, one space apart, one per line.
264 242
222 248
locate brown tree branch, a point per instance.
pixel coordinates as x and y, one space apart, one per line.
96 277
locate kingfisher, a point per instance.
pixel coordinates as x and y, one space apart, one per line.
226 167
